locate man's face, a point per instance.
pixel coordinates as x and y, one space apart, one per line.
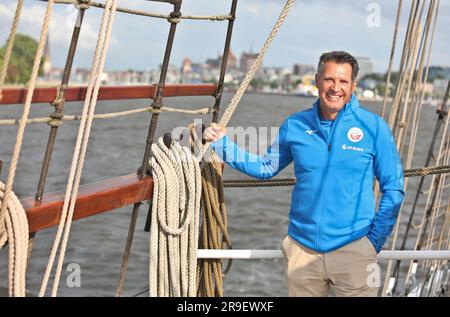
335 87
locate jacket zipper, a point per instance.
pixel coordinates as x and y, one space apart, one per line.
329 142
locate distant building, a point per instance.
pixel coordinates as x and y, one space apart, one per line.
216 63
232 61
82 75
47 65
213 63
247 60
438 72
303 69
365 66
186 67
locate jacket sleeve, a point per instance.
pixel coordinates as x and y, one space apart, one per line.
277 157
388 170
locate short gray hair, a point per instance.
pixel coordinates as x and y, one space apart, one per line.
339 57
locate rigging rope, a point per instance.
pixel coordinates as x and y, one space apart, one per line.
9 46
145 13
80 147
251 73
231 108
433 191
423 171
12 215
56 119
412 62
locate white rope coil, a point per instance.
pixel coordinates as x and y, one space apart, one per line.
174 222
14 230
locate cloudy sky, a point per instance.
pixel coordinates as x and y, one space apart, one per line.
311 28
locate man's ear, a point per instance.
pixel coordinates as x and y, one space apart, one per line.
316 79
354 84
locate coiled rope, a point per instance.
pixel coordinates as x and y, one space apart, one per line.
162 275
14 230
174 223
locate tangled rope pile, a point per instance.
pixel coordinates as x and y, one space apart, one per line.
174 222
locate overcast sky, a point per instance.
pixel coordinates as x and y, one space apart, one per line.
311 28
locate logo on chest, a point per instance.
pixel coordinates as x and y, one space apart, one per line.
352 148
355 134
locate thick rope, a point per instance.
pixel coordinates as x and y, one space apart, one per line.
214 233
423 171
16 233
56 119
231 108
80 146
9 46
251 73
223 17
174 223
418 44
13 217
430 201
391 59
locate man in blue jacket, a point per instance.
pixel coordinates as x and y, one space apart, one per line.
338 148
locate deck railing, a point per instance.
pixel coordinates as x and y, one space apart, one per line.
278 254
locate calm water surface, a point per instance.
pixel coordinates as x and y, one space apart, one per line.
258 218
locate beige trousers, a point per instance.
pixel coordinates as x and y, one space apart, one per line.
349 271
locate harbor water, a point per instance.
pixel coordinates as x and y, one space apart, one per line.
257 217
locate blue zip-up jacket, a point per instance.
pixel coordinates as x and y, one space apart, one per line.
332 203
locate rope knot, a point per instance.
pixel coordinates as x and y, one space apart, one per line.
55 119
219 17
83 4
156 107
175 17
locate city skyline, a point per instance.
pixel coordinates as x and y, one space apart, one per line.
345 26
